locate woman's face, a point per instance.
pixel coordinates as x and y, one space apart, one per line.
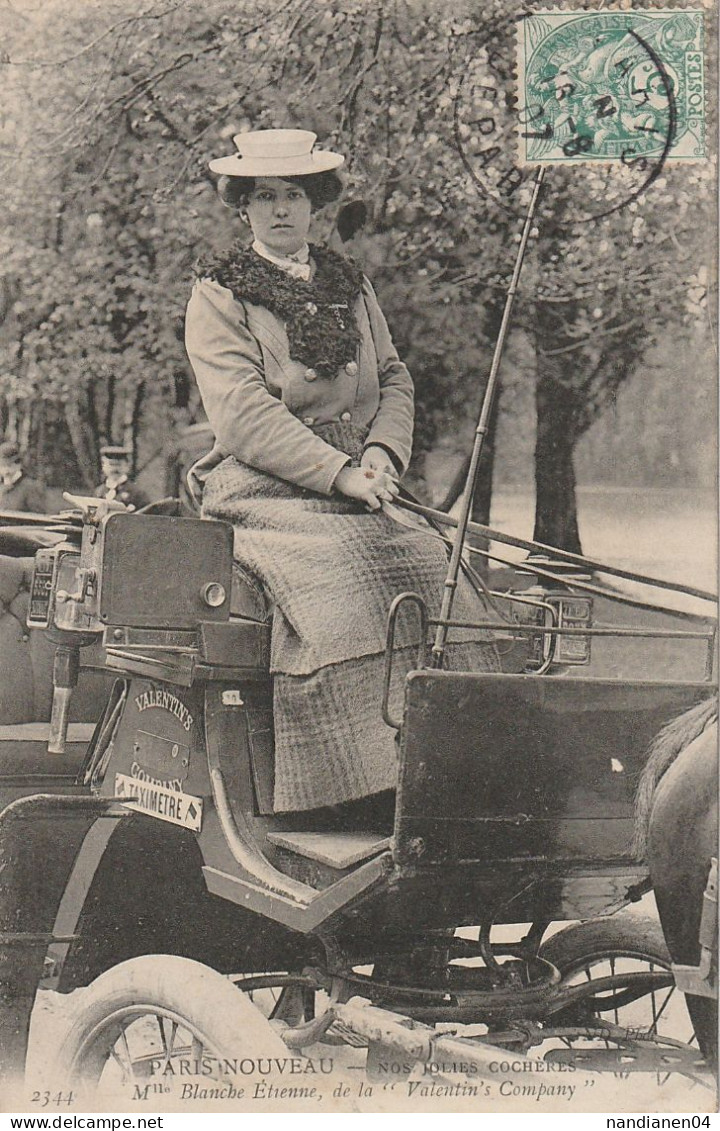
279 214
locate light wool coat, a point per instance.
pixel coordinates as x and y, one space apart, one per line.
263 405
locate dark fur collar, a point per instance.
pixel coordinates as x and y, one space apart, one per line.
319 314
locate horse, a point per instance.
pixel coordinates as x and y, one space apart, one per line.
677 836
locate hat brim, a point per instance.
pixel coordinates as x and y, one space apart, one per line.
319 161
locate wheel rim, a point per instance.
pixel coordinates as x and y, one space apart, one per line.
266 999
141 1043
659 1013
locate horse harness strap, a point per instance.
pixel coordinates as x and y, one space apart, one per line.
702 980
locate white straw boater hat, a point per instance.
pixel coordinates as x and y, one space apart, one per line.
276 153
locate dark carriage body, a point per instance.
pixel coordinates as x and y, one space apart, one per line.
523 787
515 798
514 804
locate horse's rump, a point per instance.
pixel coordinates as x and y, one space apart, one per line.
675 737
676 833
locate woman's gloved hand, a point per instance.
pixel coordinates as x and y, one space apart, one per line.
375 458
367 486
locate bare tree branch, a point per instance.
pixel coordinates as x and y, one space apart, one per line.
128 20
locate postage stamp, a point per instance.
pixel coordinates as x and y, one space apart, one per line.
620 86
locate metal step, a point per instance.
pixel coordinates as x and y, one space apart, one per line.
338 850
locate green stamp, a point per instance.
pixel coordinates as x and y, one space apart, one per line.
611 86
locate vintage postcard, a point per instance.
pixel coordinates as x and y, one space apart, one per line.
358 528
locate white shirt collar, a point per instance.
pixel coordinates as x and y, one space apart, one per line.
297 264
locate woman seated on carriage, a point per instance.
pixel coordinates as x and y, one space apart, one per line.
312 412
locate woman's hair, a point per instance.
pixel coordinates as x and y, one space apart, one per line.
321 188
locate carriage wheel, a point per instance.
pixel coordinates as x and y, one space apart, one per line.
621 945
135 1023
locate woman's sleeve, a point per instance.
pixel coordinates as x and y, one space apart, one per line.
248 421
392 427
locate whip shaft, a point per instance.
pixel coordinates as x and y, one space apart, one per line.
468 494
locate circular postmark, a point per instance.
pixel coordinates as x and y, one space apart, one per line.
614 92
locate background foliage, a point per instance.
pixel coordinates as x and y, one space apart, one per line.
111 112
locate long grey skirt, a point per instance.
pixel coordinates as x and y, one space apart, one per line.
332 570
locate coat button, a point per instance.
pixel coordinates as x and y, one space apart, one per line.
346 416
351 368
310 375
308 420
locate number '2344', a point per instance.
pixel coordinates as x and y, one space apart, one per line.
44 1099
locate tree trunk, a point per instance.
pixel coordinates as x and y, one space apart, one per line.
108 430
131 424
483 491
82 427
53 456
556 521
482 498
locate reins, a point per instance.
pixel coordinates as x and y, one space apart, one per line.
552 552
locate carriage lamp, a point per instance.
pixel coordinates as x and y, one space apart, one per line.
573 611
42 588
63 601
62 592
214 594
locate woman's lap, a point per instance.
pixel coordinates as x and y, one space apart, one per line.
333 571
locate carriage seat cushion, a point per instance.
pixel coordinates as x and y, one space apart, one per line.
26 658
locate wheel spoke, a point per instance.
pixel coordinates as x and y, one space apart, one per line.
653 1004
125 1061
142 1017
616 949
168 1028
657 1015
612 974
